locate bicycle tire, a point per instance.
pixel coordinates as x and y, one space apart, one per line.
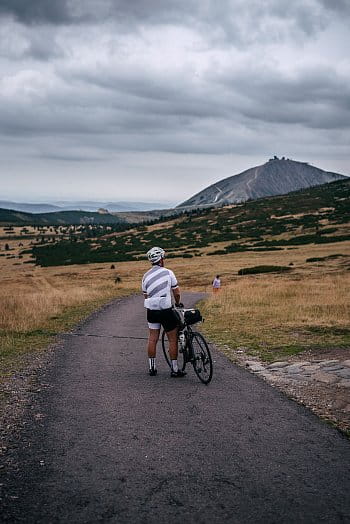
202 361
181 362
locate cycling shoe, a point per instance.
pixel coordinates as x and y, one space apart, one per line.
178 374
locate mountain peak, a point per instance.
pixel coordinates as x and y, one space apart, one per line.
277 176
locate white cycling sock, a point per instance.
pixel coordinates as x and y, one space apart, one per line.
152 363
174 366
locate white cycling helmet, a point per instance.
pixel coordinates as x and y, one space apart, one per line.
155 254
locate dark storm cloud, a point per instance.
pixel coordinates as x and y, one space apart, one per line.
36 11
239 20
80 11
339 6
145 110
88 79
319 98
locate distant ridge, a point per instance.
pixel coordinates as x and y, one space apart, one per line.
92 206
275 177
29 208
60 218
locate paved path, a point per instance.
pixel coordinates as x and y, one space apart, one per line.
107 443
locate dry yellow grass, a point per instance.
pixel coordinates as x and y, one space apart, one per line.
255 308
23 311
39 301
272 315
30 295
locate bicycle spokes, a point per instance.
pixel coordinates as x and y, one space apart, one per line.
196 351
181 354
202 362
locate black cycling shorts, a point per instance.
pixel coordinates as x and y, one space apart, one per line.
164 317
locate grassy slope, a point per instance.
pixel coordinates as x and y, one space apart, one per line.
317 215
11 217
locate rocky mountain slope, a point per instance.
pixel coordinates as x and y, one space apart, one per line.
276 177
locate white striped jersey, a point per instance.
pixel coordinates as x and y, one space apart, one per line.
158 282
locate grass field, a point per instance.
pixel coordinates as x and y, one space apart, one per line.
38 303
275 315
270 315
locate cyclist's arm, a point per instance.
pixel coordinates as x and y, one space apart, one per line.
174 287
177 295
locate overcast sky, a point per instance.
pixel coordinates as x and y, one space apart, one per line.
155 99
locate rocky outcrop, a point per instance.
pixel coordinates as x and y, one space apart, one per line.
276 177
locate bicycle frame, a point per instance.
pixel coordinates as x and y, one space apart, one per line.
193 349
187 348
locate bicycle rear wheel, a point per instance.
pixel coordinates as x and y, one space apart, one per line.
181 362
202 361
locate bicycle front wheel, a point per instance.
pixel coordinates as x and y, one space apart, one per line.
202 361
181 362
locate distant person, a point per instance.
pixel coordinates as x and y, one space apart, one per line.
158 286
216 284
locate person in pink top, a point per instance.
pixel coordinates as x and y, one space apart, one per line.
216 284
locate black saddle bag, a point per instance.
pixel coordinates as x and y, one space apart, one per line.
193 316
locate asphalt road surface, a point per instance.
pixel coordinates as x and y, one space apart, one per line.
105 442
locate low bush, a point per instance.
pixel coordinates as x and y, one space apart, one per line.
262 269
217 252
322 259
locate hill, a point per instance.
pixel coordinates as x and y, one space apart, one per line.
91 206
317 215
12 217
29 208
275 177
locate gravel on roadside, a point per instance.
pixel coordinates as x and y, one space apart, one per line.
317 380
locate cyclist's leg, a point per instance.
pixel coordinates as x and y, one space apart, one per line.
152 348
172 337
152 342
170 323
173 351
153 336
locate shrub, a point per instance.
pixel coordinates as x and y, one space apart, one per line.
217 252
321 259
315 259
263 269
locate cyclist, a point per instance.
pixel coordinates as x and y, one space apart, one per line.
158 286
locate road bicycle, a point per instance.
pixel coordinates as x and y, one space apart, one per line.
192 346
